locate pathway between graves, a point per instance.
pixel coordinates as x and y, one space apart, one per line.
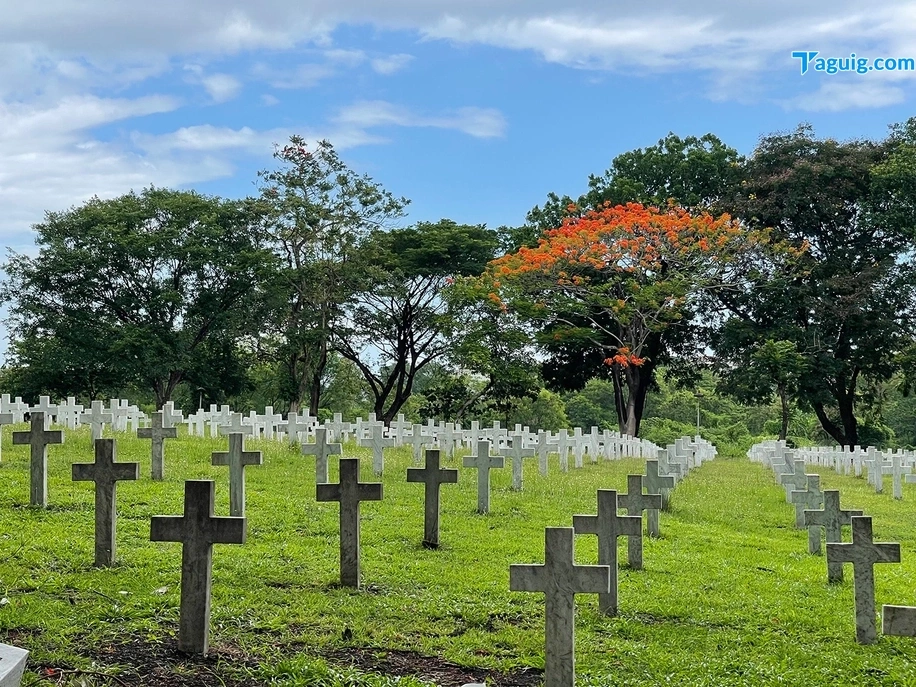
730 538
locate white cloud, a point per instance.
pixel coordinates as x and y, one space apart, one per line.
349 58
303 76
839 96
269 100
221 87
475 121
391 63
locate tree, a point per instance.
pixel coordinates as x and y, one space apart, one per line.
849 310
618 282
774 367
395 321
699 174
318 211
148 290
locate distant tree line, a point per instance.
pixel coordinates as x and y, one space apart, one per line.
783 278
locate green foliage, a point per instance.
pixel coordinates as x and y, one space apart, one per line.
317 213
544 412
396 321
849 308
145 290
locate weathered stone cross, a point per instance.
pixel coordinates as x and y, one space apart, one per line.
38 438
483 462
198 530
810 498
863 553
608 526
432 476
377 441
517 454
106 473
832 519
97 418
635 503
158 434
321 449
349 492
235 426
236 458
418 440
795 480
560 579
657 484
5 419
543 447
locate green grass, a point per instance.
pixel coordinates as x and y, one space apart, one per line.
728 595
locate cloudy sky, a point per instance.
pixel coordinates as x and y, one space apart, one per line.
472 109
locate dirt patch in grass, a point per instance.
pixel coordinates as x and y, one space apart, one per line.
429 668
138 661
153 664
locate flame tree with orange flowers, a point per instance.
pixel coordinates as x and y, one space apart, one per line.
621 282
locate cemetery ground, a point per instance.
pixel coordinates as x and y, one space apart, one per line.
728 595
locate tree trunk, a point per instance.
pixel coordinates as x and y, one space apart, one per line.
827 424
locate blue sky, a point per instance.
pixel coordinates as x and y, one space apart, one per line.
472 110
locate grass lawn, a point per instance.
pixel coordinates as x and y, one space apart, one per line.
728 596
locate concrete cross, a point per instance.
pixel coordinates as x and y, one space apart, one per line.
418 440
811 498
517 453
118 415
38 438
321 449
657 483
399 428
563 449
863 553
447 438
543 448
271 421
676 462
898 470
237 458
5 419
45 406
432 476
338 428
158 434
560 579
294 425
106 473
635 502
795 480
16 408
483 462
197 530
349 492
236 425
97 418
594 444
832 519
377 441
473 435
608 526
170 416
578 446
899 621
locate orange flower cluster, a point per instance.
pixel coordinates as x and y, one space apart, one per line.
624 358
628 237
